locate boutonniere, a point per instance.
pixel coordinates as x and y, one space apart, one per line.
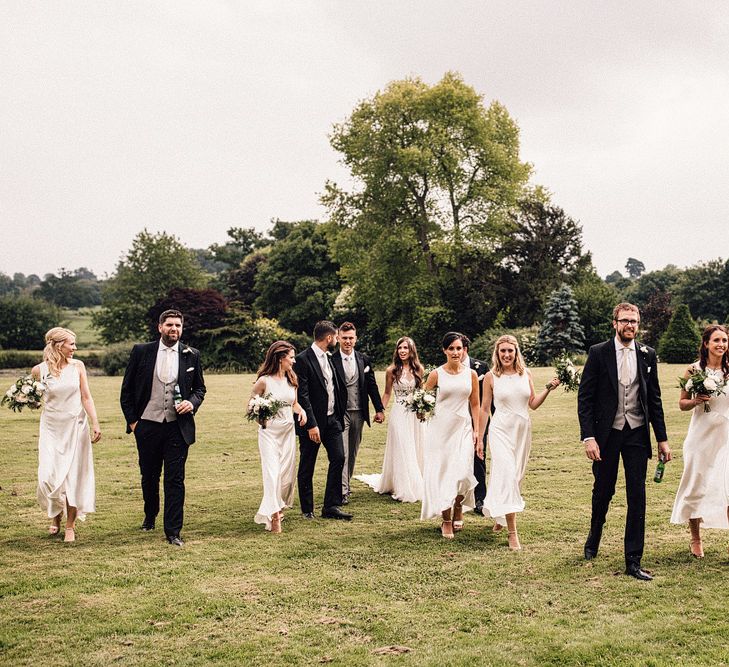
366 369
187 349
477 365
328 353
644 349
648 369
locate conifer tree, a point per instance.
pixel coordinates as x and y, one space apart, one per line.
561 330
680 343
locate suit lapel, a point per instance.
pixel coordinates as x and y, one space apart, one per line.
339 366
181 369
359 359
314 361
611 363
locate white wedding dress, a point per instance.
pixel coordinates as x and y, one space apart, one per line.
65 456
448 451
704 489
401 475
277 446
509 443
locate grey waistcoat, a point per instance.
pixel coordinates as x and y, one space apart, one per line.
629 407
161 406
352 387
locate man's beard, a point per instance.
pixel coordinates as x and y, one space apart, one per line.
168 341
331 346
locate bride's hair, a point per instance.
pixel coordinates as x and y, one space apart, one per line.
415 366
704 350
272 362
52 352
496 366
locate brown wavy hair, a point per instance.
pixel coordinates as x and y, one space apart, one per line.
272 362
496 367
55 337
414 360
704 351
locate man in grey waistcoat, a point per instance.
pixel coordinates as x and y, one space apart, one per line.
161 418
356 373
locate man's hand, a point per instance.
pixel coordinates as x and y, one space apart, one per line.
664 450
592 449
314 435
184 407
133 426
379 417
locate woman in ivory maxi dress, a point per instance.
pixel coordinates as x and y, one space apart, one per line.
510 385
402 464
65 458
450 439
276 437
703 494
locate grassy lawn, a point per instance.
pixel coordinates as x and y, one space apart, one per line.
328 592
79 321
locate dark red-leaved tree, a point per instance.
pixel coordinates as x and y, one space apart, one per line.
202 309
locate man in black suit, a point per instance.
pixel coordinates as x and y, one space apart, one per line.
162 389
356 374
479 464
619 397
324 399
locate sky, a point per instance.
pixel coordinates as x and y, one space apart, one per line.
194 117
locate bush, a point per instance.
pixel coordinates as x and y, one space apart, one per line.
115 358
680 343
20 358
24 322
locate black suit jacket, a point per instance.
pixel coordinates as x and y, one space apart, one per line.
481 368
597 398
312 394
137 384
367 383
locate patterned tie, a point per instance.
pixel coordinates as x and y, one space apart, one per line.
625 367
166 369
349 368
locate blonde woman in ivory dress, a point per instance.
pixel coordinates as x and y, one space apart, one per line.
703 494
510 386
450 440
276 438
402 464
65 458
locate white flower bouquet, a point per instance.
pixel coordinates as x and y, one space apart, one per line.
567 373
706 383
26 392
420 401
263 408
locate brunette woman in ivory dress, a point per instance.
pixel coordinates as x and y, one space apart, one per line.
703 494
402 464
277 440
510 386
65 458
450 439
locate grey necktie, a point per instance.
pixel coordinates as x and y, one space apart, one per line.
625 367
349 368
166 366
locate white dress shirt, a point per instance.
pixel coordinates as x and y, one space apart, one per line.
168 358
326 369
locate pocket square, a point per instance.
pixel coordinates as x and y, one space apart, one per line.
649 369
192 368
366 369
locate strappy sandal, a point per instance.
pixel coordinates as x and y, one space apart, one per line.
457 523
448 536
697 548
514 543
55 527
69 535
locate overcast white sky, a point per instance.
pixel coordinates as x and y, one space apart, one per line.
193 117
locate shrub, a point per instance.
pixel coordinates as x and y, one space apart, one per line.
680 343
24 322
115 358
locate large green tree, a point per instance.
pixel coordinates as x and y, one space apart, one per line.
72 289
704 288
24 322
155 264
298 283
434 169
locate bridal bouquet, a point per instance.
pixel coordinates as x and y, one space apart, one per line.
567 373
26 392
263 408
706 382
421 402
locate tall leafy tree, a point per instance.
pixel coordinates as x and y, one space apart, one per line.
434 170
155 264
634 267
299 282
24 321
72 289
704 288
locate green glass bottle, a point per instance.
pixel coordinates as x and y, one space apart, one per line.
660 469
177 396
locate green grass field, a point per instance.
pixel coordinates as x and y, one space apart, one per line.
328 592
79 321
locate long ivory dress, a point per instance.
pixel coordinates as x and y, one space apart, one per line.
704 489
402 475
510 440
65 456
277 446
448 451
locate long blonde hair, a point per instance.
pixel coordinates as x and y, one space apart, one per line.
496 367
52 352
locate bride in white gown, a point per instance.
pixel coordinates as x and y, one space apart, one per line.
703 494
276 439
402 464
65 458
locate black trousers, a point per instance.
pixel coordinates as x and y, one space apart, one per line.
634 447
331 438
158 445
479 472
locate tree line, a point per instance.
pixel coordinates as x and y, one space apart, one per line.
440 228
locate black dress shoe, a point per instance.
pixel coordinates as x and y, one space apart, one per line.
175 540
335 513
147 526
590 553
308 515
635 570
479 508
